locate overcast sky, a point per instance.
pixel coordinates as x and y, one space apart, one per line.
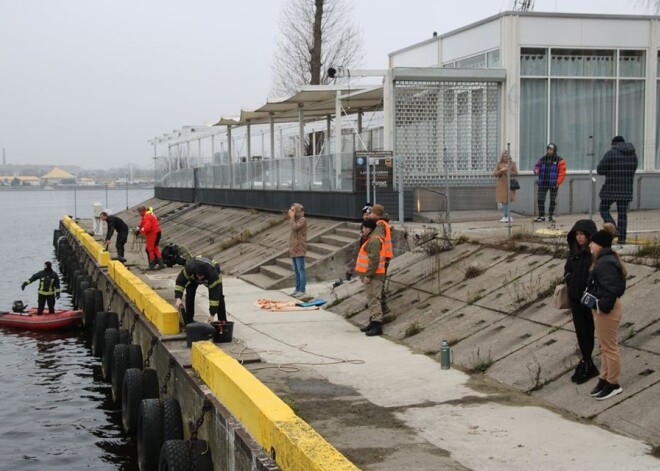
88 82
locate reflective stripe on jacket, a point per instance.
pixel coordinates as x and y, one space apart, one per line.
49 282
366 262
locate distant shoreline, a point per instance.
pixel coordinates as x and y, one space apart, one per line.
77 188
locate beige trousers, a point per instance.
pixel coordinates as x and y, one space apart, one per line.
607 331
374 290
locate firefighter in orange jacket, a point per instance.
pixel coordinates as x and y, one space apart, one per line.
150 227
384 230
370 267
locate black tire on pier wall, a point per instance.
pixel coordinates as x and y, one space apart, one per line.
124 337
131 397
56 235
100 324
120 363
172 421
113 320
185 455
72 279
80 302
149 434
76 286
89 308
110 339
150 385
135 356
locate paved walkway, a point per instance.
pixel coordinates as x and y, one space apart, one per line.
465 427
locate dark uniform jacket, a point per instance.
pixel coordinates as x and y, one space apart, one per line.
606 280
576 269
116 223
49 282
618 165
212 280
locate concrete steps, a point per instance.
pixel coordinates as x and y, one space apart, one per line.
325 259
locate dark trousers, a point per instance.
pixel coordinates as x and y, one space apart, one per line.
622 215
583 320
121 241
542 192
42 299
191 290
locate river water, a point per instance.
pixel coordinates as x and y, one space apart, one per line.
55 410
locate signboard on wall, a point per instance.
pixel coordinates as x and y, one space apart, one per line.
380 172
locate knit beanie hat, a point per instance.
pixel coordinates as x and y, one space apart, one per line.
617 139
48 265
605 235
378 210
369 223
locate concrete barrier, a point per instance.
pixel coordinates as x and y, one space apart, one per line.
291 442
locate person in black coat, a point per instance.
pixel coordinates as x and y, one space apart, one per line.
200 271
576 274
115 223
607 283
49 288
618 165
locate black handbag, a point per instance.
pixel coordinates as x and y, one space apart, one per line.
514 185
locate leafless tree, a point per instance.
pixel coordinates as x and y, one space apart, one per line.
652 5
314 35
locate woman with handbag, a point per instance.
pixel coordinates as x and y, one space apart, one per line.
504 193
576 274
606 284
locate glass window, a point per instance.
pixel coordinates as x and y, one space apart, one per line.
533 61
632 63
657 126
580 109
582 63
493 59
631 113
475 62
449 65
533 121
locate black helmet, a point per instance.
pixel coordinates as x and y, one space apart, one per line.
18 306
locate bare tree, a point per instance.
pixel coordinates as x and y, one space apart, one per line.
652 5
314 35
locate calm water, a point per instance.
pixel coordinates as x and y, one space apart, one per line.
55 411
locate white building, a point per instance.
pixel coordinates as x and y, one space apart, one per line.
527 79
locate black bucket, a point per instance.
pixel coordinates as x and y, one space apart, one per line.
224 331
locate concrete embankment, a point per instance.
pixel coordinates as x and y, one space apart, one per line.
384 403
249 427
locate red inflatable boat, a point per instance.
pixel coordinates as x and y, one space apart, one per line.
30 321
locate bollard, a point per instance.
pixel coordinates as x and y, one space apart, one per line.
446 356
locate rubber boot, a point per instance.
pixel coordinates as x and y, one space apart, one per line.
161 265
368 326
152 265
376 329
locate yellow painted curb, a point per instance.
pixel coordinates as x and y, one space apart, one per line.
296 445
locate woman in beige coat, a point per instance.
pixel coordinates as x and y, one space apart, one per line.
501 194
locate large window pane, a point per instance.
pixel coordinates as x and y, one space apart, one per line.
657 126
632 63
579 109
493 59
533 121
631 113
533 62
582 63
475 62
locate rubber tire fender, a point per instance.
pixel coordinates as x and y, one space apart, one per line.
149 434
110 339
185 455
131 397
84 284
98 335
150 386
120 363
135 357
124 336
89 308
172 421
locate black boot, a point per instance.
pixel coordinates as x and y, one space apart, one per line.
578 371
590 371
376 329
152 265
368 326
161 265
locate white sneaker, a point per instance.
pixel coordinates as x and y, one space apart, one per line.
294 293
504 219
509 219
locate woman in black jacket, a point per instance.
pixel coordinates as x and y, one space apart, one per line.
607 282
576 274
